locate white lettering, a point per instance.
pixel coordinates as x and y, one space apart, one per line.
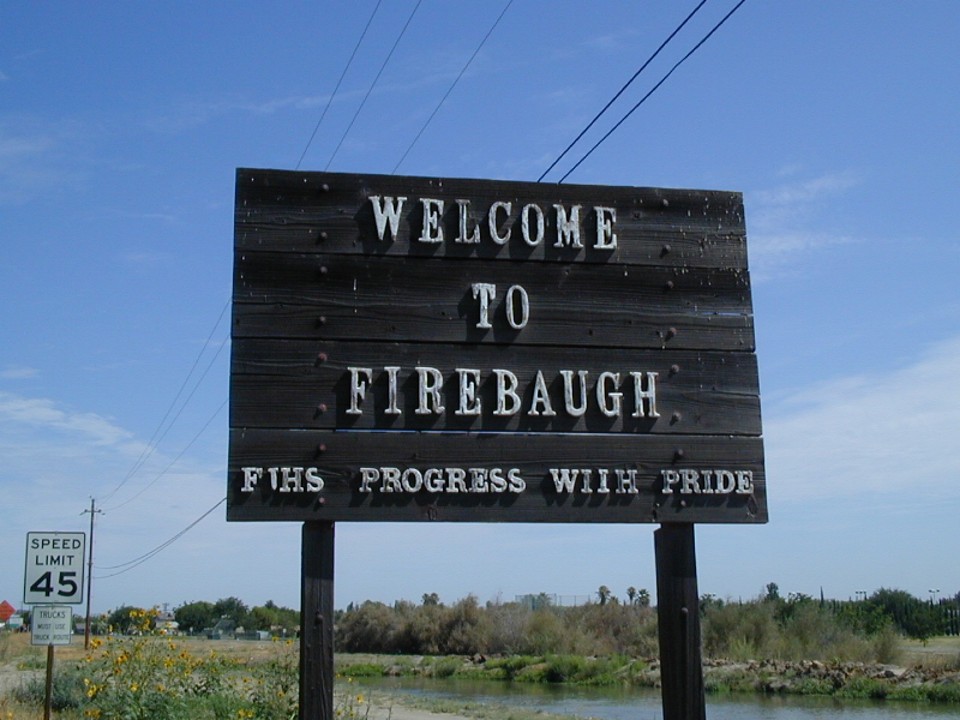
462 207
725 481
565 479
744 482
603 489
441 480
251 476
568 231
391 480
484 292
388 210
571 407
540 405
524 307
456 480
707 482
608 400
433 480
492 222
627 481
507 384
368 476
478 480
358 389
606 237
469 382
525 225
411 480
314 481
432 212
429 384
645 400
392 408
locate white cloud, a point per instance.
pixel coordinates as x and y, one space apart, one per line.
796 196
782 221
869 436
44 414
18 372
30 164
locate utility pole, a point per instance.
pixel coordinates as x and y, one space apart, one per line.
86 630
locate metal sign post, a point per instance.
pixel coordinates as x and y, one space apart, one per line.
53 573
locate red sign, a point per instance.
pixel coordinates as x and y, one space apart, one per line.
6 611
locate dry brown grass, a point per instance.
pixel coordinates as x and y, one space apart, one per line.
939 652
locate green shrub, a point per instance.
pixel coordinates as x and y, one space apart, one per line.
446 667
66 693
564 668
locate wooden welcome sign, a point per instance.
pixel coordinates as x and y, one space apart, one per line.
427 349
409 349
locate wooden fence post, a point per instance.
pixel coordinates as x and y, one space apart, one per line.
678 616
316 622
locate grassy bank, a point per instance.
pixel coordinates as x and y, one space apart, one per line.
157 678
937 682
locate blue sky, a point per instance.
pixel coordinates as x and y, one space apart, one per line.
122 124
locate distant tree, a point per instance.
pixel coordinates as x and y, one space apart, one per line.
773 592
465 629
708 602
643 598
603 593
632 594
194 617
261 618
125 619
372 627
232 608
431 599
541 601
913 616
288 619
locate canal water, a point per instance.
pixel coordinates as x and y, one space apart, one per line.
643 704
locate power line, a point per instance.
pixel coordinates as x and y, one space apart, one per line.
151 446
621 90
653 89
342 75
172 462
454 84
131 564
373 84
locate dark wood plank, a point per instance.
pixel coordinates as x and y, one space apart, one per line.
306 384
337 458
678 621
300 211
348 297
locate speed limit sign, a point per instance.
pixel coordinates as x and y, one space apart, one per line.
54 569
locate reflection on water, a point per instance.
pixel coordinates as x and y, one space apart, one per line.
641 704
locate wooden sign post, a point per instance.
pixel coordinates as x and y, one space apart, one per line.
435 349
316 621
